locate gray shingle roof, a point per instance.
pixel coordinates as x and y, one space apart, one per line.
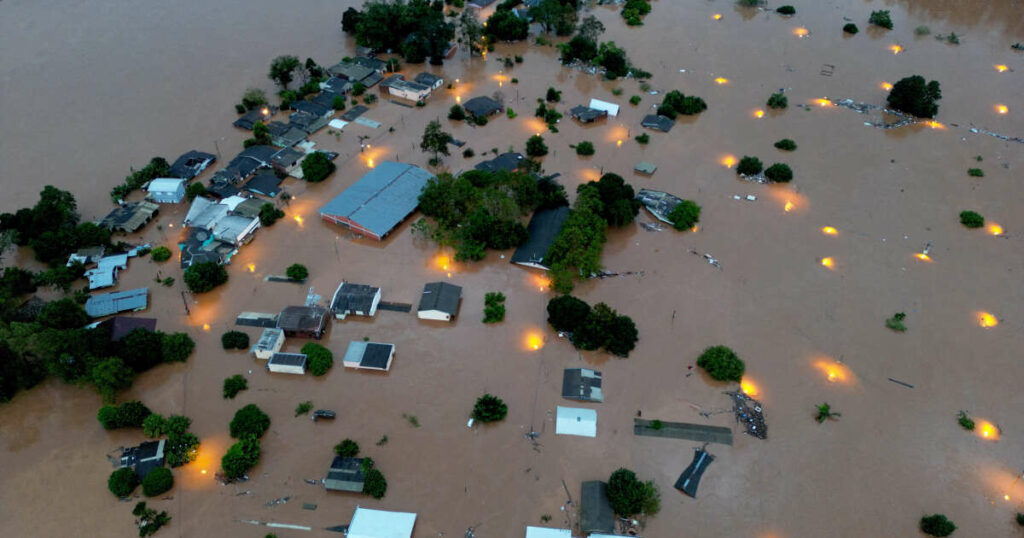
597 514
506 161
441 296
544 227
582 384
353 298
382 198
658 123
482 106
346 474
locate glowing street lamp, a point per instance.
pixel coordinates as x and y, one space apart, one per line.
886 86
801 32
721 80
728 161
986 320
995 229
896 49
828 230
828 263
717 16
759 113
789 207
1002 68
1002 109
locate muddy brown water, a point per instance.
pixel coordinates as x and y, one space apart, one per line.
92 89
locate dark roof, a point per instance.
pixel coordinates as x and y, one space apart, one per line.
353 298
227 175
690 479
505 161
199 246
336 85
354 113
121 325
346 474
596 510
311 108
130 217
303 319
587 114
427 78
287 157
249 208
222 190
288 359
265 182
376 355
544 228
305 121
582 384
381 199
482 106
659 203
441 296
326 99
144 458
351 72
250 118
259 153
372 63
658 123
391 79
191 164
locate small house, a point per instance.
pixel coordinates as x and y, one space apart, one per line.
547 532
309 117
385 86
659 203
429 80
221 189
144 458
358 299
596 510
86 256
378 66
576 421
351 72
249 120
645 168
287 363
270 342
265 183
135 300
585 114
286 160
482 107
367 523
285 135
191 164
658 122
413 91
303 321
129 217
336 85
611 108
508 162
582 384
345 474
235 229
104 275
439 301
166 190
544 227
369 356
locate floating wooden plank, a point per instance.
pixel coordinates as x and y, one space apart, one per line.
395 307
684 430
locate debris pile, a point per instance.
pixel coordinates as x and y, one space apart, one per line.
749 412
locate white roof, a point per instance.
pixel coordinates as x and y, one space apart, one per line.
576 421
611 108
606 535
547 532
233 201
199 205
368 523
165 184
337 124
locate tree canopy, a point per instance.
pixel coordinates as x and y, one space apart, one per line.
347 448
619 205
316 167
489 408
676 103
629 496
249 420
504 25
593 328
413 28
282 70
320 358
914 96
241 456
204 276
685 215
722 364
435 140
123 482
157 482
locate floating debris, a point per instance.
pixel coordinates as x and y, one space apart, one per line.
750 413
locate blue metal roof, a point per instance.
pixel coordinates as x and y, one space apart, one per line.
382 198
119 301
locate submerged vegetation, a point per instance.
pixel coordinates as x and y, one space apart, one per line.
896 322
592 328
629 496
722 364
913 96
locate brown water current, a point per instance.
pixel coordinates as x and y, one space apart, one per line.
90 89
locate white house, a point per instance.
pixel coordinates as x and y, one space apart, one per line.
413 91
576 421
547 532
611 108
368 523
166 190
358 299
270 342
287 363
369 356
235 229
440 301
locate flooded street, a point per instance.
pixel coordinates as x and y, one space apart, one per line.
92 89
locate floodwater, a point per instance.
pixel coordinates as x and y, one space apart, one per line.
93 88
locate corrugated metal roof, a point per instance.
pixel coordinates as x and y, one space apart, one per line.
440 296
118 301
367 523
382 198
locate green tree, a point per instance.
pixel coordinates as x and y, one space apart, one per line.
678 103
786 10
580 48
241 457
435 140
233 385
914 96
260 135
154 425
297 271
585 148
622 335
350 20
825 412
629 496
506 26
347 448
613 59
489 408
850 28
157 482
181 448
567 313
161 254
684 215
195 189
786 145
779 173
374 484
469 31
141 349
971 219
494 307
937 525
316 167
253 98
456 113
269 214
249 420
122 482
234 340
282 70
63 314
535 146
749 166
722 363
619 205
881 18
590 28
204 276
320 358
778 101
176 347
111 375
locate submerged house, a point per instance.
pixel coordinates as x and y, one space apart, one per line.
508 162
429 80
285 135
104 275
439 301
270 342
482 107
265 183
596 509
585 114
582 384
166 190
135 300
659 203
200 246
129 217
367 523
144 458
249 120
345 474
379 201
544 227
352 72
412 91
287 363
369 356
120 326
309 117
658 122
191 164
235 229
358 299
575 421
286 160
303 321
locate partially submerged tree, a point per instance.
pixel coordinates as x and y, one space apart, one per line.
937 525
320 358
234 340
297 272
233 385
913 96
881 19
685 215
722 363
535 146
316 167
435 140
249 420
204 276
971 219
778 101
825 412
489 408
779 173
749 166
347 448
157 482
282 70
123 482
629 496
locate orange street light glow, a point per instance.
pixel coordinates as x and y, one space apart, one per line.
788 207
619 143
886 86
369 162
828 262
923 257
833 371
728 161
458 99
896 49
206 327
828 230
748 387
441 261
1002 109
252 267
695 228
203 471
721 80
995 229
1002 68
800 32
935 125
986 320
823 102
542 282
718 17
534 341
987 430
298 219
759 113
